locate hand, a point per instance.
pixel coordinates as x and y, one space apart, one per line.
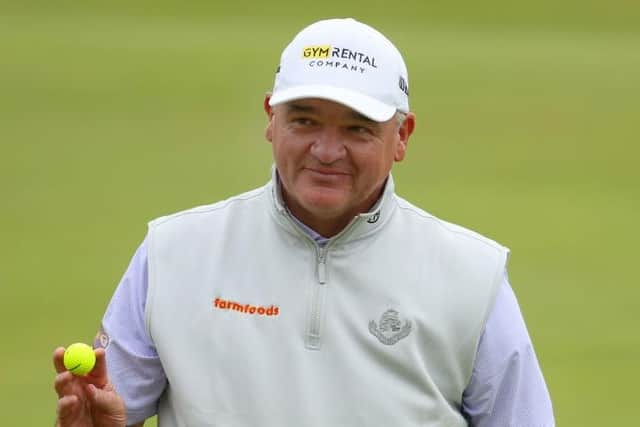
88 401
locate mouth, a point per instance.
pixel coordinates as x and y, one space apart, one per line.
326 172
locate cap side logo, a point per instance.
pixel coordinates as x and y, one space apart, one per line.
316 51
402 84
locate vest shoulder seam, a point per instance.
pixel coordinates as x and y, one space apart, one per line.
204 209
448 226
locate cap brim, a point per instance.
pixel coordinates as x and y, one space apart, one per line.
365 105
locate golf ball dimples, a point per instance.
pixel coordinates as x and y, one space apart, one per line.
79 359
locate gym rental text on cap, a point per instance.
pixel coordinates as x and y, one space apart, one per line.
344 61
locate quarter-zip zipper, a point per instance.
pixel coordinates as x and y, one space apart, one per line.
313 339
313 333
322 265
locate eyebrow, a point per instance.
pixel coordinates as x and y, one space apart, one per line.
362 117
305 108
302 108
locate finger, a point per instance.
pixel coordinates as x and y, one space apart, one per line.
58 359
106 399
95 395
98 375
100 369
63 384
67 406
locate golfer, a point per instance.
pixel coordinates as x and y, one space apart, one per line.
322 298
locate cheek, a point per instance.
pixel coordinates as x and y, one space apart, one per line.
287 152
374 160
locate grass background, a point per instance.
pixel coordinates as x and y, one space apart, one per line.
113 113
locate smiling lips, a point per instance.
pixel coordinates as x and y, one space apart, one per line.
326 172
327 177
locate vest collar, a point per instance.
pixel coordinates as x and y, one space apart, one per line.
360 226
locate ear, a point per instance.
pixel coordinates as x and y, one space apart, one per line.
268 132
404 132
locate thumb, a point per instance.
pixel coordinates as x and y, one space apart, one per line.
106 400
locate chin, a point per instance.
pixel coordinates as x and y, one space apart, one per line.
324 203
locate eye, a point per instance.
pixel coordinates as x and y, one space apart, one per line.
360 130
302 121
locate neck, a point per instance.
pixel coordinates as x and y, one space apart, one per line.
328 223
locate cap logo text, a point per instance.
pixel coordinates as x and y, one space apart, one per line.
327 56
316 51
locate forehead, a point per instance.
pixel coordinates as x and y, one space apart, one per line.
324 107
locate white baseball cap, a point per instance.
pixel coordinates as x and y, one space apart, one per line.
344 61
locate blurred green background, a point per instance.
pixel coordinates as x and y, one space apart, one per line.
113 113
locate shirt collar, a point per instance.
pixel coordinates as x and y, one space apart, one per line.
361 225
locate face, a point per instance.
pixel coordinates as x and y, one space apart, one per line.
331 160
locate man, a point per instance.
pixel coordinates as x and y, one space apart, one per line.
322 298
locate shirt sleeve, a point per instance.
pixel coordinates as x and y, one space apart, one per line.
133 363
507 387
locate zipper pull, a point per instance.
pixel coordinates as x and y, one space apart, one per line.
322 265
322 271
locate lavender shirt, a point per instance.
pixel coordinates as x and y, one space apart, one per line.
506 387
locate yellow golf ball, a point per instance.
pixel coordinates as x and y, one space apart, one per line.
79 358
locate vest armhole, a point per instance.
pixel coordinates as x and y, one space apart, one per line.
148 309
496 282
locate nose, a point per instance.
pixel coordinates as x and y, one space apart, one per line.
328 146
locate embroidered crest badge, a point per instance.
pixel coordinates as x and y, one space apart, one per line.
391 328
